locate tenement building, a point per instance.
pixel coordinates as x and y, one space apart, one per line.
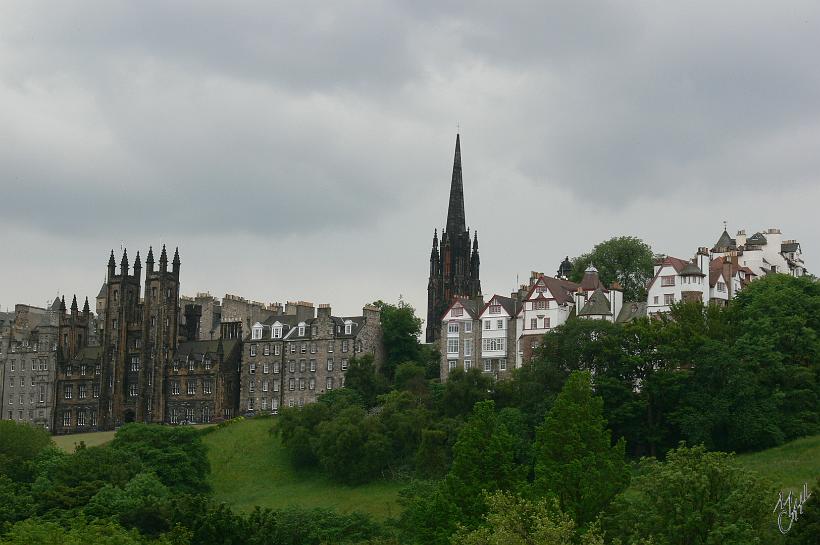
454 264
144 370
293 357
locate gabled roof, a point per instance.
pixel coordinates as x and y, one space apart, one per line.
56 304
790 247
716 270
560 289
597 305
198 349
756 239
668 261
631 311
469 305
102 290
510 305
725 242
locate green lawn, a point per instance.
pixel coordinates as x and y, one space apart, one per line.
69 442
787 466
249 467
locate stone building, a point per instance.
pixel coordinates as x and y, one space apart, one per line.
210 319
238 314
291 358
151 365
454 267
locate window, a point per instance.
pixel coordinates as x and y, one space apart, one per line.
265 385
175 388
533 323
67 419
189 414
541 304
68 392
330 347
94 418
208 386
97 369
290 403
457 311
252 385
468 347
488 366
292 366
176 366
468 364
329 383
275 385
493 344
84 368
721 286
348 329
253 350
266 368
292 384
312 366
499 324
655 300
67 371
330 364
250 403
252 368
312 348
264 404
135 365
301 384
668 298
43 394
274 405
451 364
191 387
81 418
12 367
292 348
277 350
345 345
668 280
303 348
452 327
452 346
133 390
502 364
468 327
266 350
312 383
344 364
256 333
301 331
276 367
81 391
495 309
276 332
95 390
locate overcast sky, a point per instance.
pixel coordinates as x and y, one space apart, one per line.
304 150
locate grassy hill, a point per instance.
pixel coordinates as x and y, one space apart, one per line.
249 467
787 466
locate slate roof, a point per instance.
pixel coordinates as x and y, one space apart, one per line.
198 349
597 305
562 290
675 262
90 354
691 270
102 290
631 311
591 281
756 239
470 305
725 242
510 305
787 247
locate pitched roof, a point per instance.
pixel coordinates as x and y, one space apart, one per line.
756 239
201 348
559 288
510 305
691 270
56 304
470 305
102 290
631 311
675 262
591 281
789 246
597 305
725 242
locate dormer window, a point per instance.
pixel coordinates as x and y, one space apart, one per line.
276 332
348 328
256 332
301 331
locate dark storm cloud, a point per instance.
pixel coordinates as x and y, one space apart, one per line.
311 123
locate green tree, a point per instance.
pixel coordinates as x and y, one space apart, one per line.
806 530
362 377
695 497
512 520
15 501
81 532
353 446
625 259
175 453
19 444
400 335
574 457
144 503
462 390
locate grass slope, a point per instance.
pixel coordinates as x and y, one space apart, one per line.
249 467
69 442
787 466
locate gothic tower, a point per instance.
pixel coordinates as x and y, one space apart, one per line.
454 266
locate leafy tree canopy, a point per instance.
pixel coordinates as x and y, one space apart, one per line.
625 259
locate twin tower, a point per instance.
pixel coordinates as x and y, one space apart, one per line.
454 262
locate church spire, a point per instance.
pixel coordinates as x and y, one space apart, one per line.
456 222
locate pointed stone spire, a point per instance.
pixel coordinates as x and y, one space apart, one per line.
456 222
149 261
74 307
163 260
62 304
86 310
124 262
176 261
111 265
137 265
475 241
434 251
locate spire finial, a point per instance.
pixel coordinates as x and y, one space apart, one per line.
456 222
86 310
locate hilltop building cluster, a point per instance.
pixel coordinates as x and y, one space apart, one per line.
150 354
